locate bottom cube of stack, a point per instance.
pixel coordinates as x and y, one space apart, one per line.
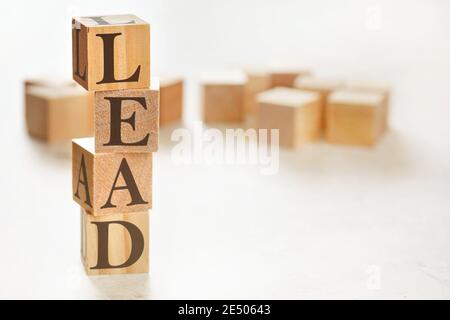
115 243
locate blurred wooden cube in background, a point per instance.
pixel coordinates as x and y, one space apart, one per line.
115 243
377 87
295 113
354 118
322 86
58 113
48 81
257 82
171 100
286 76
223 98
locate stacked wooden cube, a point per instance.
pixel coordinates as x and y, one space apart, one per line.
112 172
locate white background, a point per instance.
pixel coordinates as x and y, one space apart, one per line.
330 224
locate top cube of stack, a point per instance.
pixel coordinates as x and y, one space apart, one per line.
111 52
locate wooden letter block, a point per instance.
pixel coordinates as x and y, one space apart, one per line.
354 118
223 99
104 183
126 120
322 86
295 113
285 77
111 52
58 114
171 101
115 244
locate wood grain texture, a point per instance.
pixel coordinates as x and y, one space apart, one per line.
370 86
295 113
223 103
354 118
256 83
322 86
58 113
144 125
131 50
104 171
171 101
119 243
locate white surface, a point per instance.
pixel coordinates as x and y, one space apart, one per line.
311 231
317 83
223 78
362 85
112 19
166 81
359 98
56 92
87 144
287 97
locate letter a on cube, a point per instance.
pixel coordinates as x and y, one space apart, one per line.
106 183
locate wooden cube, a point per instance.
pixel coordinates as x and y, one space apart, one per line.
322 86
111 52
286 76
354 118
127 120
58 114
115 243
171 100
105 183
257 82
370 86
48 81
295 113
223 98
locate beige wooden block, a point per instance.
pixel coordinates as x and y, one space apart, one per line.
286 76
115 243
223 98
111 52
171 100
48 81
322 86
370 86
58 114
127 120
105 183
295 113
257 82
354 118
